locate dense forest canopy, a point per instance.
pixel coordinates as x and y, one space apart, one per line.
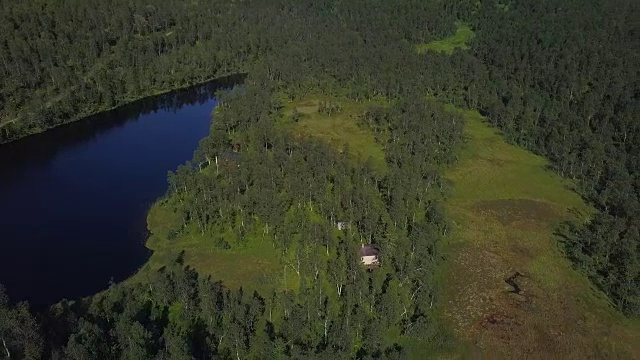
66 59
565 86
556 76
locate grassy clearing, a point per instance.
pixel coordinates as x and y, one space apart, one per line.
340 130
459 40
254 265
507 290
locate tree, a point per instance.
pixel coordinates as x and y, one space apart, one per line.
19 332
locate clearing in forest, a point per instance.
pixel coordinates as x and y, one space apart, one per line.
254 266
254 263
459 40
336 121
507 290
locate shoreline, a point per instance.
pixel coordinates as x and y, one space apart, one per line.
222 79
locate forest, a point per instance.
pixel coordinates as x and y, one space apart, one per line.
556 77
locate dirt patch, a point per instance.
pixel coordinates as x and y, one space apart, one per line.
500 320
513 282
475 287
520 250
521 213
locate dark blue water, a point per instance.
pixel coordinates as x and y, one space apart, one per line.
73 200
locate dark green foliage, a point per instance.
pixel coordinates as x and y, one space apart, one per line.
60 62
291 190
398 211
20 336
556 77
548 80
145 321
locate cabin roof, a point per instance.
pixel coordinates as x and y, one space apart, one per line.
368 250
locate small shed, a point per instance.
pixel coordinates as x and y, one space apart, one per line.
369 255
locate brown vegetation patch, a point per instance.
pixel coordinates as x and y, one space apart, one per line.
474 286
522 213
520 250
505 310
508 290
500 321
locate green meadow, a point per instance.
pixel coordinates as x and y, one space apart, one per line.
255 265
460 40
340 129
506 287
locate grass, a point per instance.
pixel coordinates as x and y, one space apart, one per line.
459 40
254 265
340 130
505 205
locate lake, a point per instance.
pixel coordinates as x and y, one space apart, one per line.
73 200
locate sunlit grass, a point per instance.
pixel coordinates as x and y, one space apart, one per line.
340 130
505 206
460 40
254 265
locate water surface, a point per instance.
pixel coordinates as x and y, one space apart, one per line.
73 200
